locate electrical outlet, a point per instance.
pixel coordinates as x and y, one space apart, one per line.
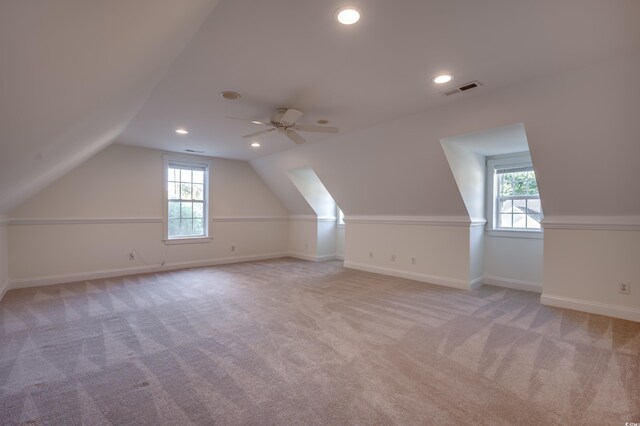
233 248
132 255
413 260
393 257
625 288
370 255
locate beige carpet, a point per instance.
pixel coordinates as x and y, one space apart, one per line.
294 342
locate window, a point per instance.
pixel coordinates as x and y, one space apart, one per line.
514 199
186 200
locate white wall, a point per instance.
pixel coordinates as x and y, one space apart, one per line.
469 170
4 259
477 253
87 222
583 269
340 241
281 184
514 262
576 122
303 237
313 191
441 252
326 239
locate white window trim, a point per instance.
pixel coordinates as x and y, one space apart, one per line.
190 161
522 159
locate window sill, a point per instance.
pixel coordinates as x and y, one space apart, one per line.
503 233
187 240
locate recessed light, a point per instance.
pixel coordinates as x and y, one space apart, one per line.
230 95
444 78
181 131
348 15
255 145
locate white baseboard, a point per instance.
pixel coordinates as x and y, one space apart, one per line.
417 276
622 312
110 273
340 256
514 284
312 258
476 283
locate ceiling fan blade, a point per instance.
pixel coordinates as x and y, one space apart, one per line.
250 120
250 135
319 129
295 137
291 116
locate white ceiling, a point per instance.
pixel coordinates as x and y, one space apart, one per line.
500 141
292 53
78 75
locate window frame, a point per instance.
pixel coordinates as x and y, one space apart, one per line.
186 161
503 162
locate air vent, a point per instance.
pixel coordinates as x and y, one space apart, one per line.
462 88
194 151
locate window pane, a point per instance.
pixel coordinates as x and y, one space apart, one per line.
519 220
185 175
174 227
185 191
186 227
533 205
172 174
173 191
198 227
519 206
519 183
506 206
533 184
532 223
198 210
505 187
505 221
198 192
174 209
198 176
186 210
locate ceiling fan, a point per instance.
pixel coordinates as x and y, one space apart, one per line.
284 121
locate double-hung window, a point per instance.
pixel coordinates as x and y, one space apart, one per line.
514 199
186 203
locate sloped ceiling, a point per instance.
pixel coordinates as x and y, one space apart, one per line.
77 74
293 53
73 73
582 135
